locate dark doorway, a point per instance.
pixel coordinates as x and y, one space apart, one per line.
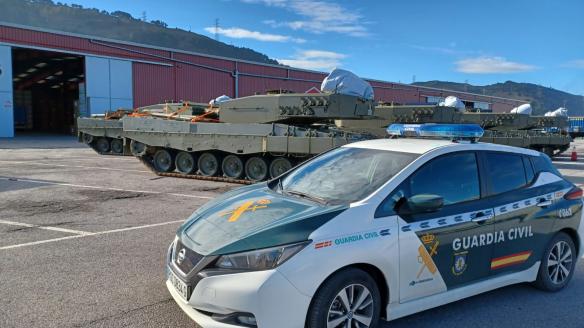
47 88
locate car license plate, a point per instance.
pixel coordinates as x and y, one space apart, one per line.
179 285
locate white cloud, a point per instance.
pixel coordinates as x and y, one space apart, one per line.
315 60
273 3
487 65
451 50
577 63
241 33
318 17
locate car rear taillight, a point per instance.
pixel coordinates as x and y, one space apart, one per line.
575 193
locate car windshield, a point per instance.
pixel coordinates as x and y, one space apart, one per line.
344 174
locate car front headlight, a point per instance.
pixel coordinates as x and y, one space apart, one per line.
261 259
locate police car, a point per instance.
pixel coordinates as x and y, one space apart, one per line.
376 230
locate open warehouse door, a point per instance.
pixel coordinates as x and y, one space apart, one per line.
6 101
47 87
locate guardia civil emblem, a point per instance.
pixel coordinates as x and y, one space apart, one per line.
460 264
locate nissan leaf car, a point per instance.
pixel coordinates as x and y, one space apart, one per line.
377 230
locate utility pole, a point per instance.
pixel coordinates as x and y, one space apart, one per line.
144 15
217 29
414 79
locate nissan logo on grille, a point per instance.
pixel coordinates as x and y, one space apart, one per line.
181 256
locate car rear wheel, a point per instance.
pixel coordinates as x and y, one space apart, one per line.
557 265
350 298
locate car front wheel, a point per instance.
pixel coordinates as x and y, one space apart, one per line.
557 265
350 298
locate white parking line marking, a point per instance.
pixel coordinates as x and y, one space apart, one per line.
103 188
88 235
28 225
74 166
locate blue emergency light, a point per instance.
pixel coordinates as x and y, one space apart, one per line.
436 130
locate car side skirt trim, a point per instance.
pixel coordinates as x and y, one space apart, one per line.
398 310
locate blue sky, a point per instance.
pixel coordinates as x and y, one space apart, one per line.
481 42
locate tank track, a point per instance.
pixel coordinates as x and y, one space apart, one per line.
149 165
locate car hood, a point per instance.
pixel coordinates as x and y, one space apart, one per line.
253 217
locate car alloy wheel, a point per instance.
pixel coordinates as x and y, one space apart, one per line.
559 263
352 307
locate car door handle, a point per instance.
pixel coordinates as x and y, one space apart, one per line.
544 202
480 217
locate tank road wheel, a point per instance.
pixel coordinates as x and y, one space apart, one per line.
279 166
137 148
185 162
117 146
232 166
256 169
87 138
163 161
102 145
208 164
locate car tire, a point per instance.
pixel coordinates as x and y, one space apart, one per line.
552 275
328 307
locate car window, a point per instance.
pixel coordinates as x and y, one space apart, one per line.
543 163
505 172
454 177
388 206
529 173
345 174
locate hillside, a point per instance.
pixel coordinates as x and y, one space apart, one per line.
76 19
542 99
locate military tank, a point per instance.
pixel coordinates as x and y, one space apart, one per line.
247 139
104 133
542 133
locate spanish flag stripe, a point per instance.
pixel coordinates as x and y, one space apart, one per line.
509 260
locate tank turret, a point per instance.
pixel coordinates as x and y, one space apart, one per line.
294 108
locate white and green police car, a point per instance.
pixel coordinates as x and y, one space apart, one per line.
376 230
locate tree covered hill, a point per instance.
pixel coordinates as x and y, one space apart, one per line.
117 25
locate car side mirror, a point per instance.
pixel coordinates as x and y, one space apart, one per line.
422 203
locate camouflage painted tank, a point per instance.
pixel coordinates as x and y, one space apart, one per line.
104 133
246 139
542 133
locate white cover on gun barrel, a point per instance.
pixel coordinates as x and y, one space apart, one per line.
452 101
522 109
219 100
558 112
347 83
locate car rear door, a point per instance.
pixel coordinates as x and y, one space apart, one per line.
448 248
525 209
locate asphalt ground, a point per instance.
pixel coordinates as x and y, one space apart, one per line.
83 239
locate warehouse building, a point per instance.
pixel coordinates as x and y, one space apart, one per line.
47 78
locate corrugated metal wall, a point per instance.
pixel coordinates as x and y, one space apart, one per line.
161 74
153 84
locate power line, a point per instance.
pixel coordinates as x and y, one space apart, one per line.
217 29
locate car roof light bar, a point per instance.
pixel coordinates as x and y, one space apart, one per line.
470 132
